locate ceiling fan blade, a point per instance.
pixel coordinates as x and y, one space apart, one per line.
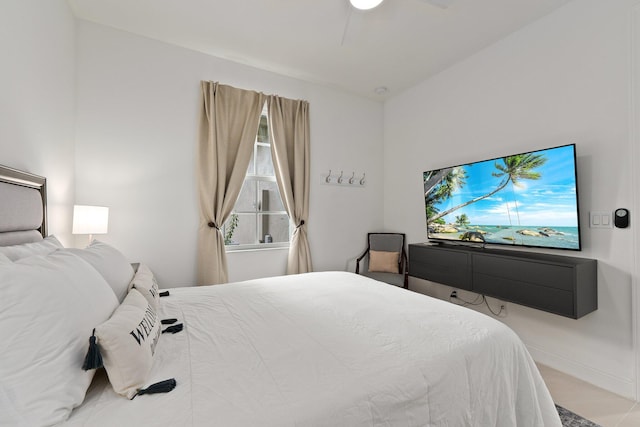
442 4
346 26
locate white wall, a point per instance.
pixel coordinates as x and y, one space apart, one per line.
635 155
37 105
137 122
564 79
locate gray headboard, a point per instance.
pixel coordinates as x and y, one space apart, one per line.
23 207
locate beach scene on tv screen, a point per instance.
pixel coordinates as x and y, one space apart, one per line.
526 199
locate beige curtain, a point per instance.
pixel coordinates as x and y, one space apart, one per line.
289 127
228 128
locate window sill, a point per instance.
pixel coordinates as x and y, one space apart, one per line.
256 248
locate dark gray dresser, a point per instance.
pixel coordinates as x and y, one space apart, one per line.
563 285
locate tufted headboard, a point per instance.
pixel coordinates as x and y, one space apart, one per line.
23 207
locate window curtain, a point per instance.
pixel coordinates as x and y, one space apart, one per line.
289 127
228 127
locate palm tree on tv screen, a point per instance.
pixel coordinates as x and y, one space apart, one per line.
462 220
440 184
513 169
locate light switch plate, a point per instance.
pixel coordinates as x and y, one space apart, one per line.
600 219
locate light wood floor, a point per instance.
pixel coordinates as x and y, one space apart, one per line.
589 401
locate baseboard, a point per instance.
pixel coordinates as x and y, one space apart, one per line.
624 387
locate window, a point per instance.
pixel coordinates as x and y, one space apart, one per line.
258 219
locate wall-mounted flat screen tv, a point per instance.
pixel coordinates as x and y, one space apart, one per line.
528 199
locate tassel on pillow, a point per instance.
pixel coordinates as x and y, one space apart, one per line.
162 387
93 359
173 329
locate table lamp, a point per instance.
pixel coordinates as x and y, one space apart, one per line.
90 220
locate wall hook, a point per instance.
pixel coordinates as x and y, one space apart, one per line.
362 180
340 178
328 178
352 178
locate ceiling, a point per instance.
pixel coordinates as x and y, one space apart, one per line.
395 46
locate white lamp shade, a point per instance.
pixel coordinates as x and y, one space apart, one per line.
365 4
90 219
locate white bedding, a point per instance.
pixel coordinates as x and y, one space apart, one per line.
329 349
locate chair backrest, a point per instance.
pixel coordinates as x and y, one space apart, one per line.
388 242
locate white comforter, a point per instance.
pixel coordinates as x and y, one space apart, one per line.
329 349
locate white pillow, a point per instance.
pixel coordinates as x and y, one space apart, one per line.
127 342
4 259
49 305
43 247
145 283
109 262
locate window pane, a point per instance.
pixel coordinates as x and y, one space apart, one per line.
277 225
250 222
264 164
247 198
263 133
270 196
244 232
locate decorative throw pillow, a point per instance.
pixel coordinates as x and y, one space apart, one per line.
383 262
145 283
127 342
43 247
48 306
109 262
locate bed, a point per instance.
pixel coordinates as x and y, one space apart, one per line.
315 349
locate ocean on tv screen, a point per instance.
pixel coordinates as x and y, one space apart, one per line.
540 236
